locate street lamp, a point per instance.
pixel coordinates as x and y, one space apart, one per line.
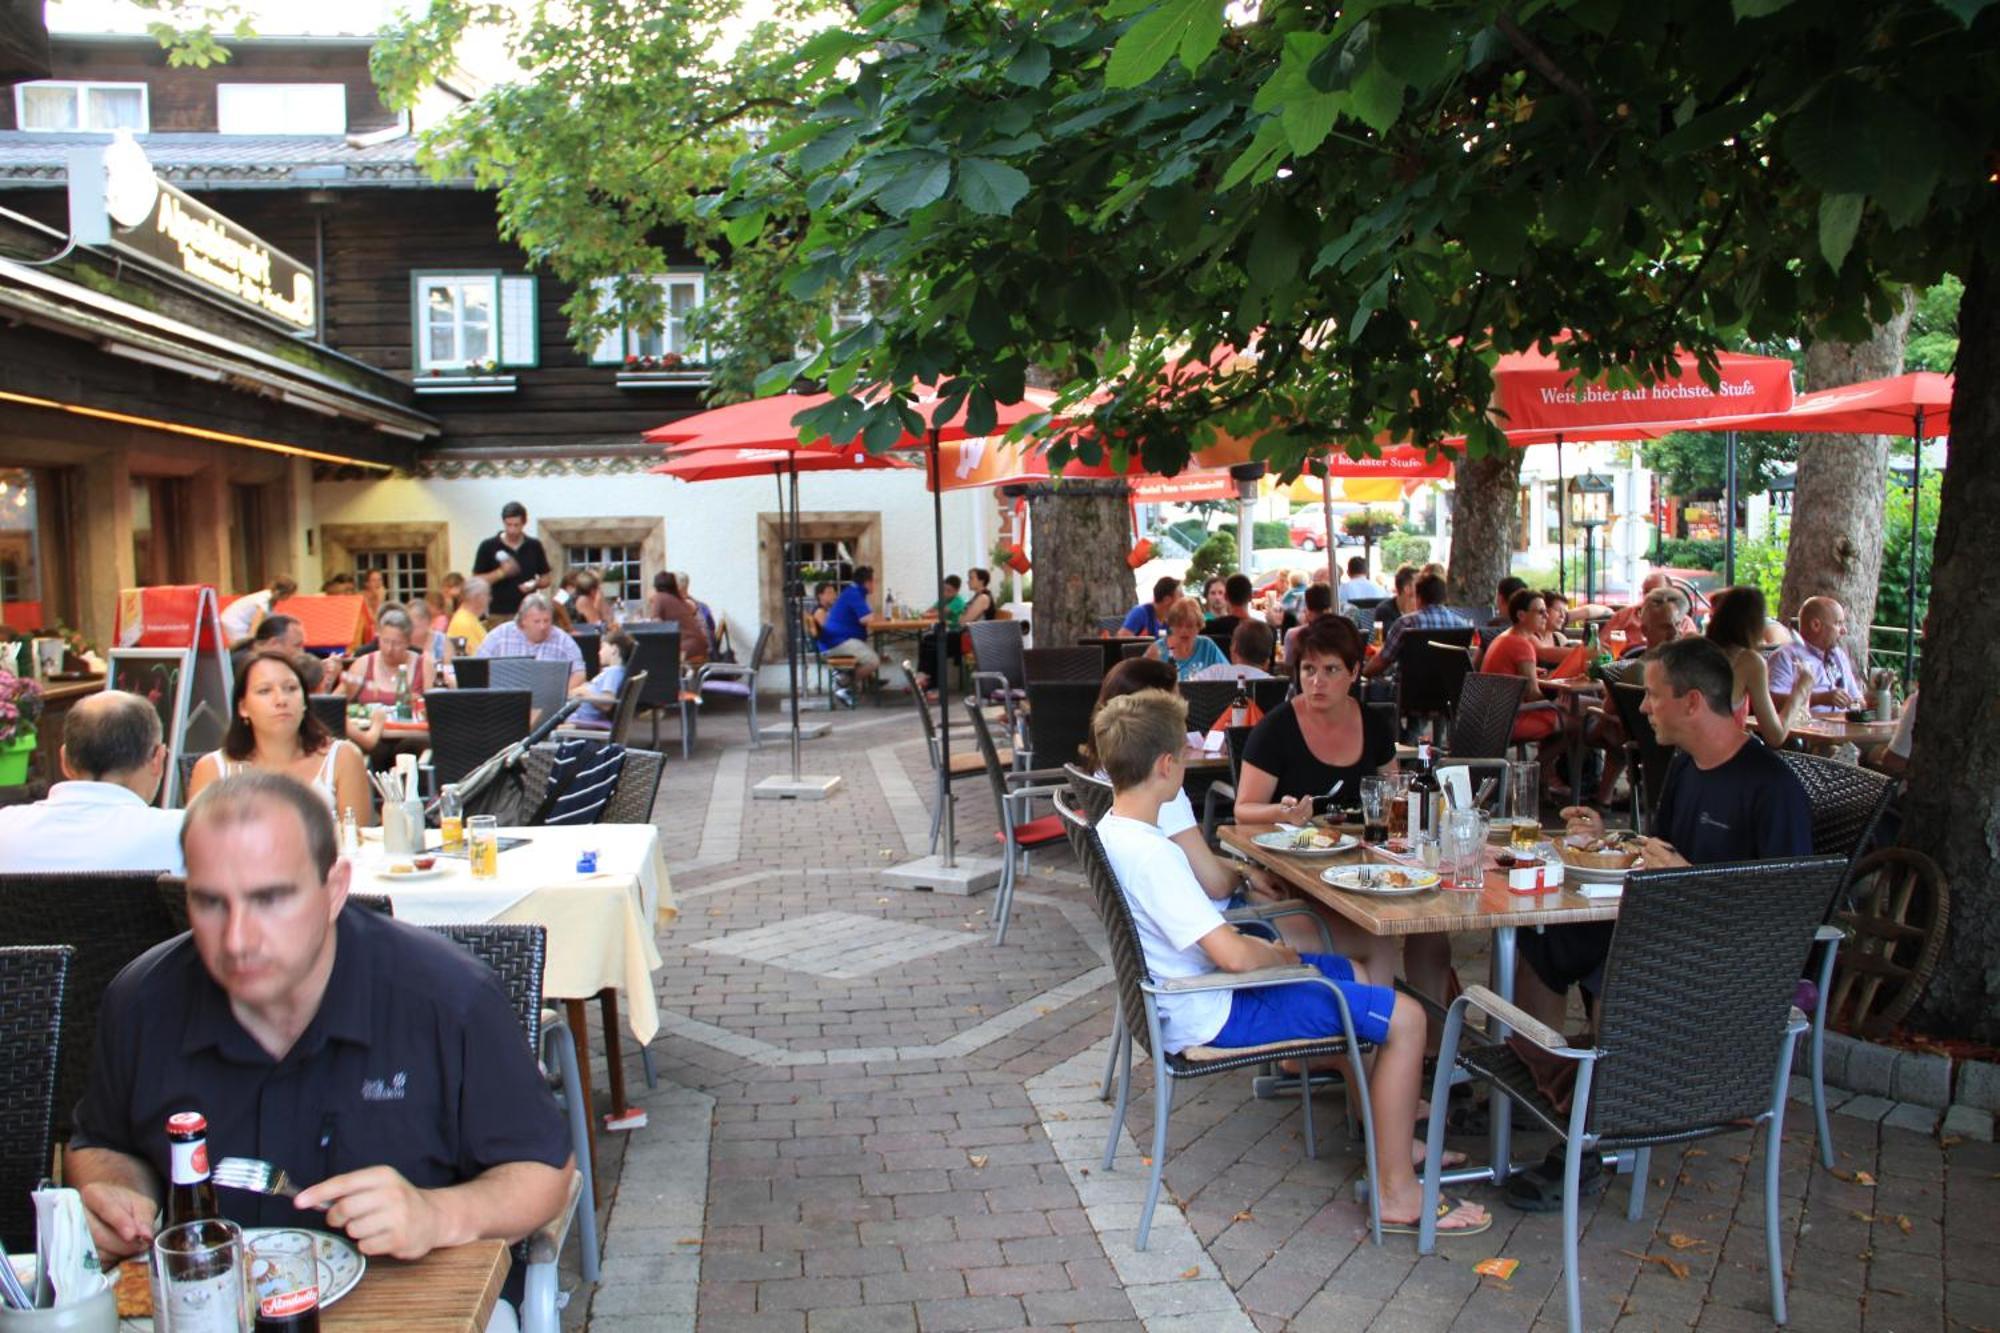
1589 510
1246 476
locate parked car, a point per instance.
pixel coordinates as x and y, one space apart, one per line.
1308 531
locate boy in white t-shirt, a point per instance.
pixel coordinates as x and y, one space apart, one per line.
1138 739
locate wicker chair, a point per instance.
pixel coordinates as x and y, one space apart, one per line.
1431 666
1109 651
1848 803
965 763
517 954
738 680
1001 674
1084 662
470 726
472 673
1137 1018
547 682
1482 724
1696 1030
331 710
1222 795
588 638
109 919
1645 758
1012 790
1059 719
1089 795
623 711
173 897
658 654
1207 700
1129 649
32 982
631 800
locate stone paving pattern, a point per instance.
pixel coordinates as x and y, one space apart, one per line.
917 1148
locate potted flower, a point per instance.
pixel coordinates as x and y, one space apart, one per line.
20 706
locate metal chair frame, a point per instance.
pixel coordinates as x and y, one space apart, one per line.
1138 1013
741 674
1012 790
935 753
1001 674
658 653
1674 1061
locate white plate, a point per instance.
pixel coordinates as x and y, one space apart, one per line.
1281 841
1356 879
411 876
339 1254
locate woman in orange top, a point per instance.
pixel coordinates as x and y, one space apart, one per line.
1515 653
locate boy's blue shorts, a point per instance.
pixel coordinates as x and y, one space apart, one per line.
1302 1010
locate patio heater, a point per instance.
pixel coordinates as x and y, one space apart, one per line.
1246 476
1589 509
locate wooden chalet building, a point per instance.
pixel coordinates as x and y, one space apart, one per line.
157 429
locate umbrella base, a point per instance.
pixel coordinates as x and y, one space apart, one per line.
805 787
929 874
808 731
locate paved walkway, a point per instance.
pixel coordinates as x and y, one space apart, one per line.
870 1119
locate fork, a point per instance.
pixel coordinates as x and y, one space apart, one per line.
254 1175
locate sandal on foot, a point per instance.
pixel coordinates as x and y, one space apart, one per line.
1447 1206
1539 1189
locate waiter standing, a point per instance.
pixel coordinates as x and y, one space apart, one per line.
512 563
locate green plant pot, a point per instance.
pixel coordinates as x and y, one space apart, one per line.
14 759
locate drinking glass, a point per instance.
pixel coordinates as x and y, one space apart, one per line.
200 1279
1399 805
1374 809
289 1280
1524 784
482 837
1465 845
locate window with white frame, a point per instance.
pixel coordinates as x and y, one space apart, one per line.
60 104
618 565
470 322
406 573
665 332
851 312
281 108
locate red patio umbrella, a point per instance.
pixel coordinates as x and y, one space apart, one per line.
1911 405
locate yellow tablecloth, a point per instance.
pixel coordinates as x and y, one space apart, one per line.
600 927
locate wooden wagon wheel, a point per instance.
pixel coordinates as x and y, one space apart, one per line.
1895 933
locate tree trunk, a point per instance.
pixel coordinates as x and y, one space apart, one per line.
1954 801
1484 505
1082 531
1835 548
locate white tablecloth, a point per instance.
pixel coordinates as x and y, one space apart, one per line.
600 927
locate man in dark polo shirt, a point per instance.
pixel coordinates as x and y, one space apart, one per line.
512 563
381 1066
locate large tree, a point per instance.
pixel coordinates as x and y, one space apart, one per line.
1388 195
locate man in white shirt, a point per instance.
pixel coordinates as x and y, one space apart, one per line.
102 817
1250 649
1138 739
1357 583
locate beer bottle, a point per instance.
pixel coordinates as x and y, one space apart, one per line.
191 1196
1424 794
403 703
1594 651
1239 707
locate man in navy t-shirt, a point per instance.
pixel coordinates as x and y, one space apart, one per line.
1726 798
845 633
1150 618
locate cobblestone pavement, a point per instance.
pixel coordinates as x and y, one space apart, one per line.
912 1140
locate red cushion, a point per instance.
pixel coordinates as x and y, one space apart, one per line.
1037 831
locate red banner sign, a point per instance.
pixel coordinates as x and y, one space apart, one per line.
166 617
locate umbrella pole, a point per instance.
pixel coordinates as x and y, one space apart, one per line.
1326 516
1562 527
1729 508
950 830
788 528
1916 511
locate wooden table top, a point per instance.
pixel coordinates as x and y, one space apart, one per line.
1834 729
66 691
447 1291
1421 913
1201 761
882 625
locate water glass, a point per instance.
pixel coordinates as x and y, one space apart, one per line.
482 838
200 1279
1465 848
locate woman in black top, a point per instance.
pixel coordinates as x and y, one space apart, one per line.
1322 740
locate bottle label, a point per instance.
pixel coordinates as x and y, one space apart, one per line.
283 1305
190 1162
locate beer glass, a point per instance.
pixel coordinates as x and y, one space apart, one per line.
1374 810
290 1281
1524 785
482 837
200 1279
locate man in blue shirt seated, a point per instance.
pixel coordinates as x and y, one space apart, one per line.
379 1065
844 633
1150 618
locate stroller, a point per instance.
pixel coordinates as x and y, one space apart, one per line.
512 784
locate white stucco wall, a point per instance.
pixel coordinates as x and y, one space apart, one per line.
711 527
